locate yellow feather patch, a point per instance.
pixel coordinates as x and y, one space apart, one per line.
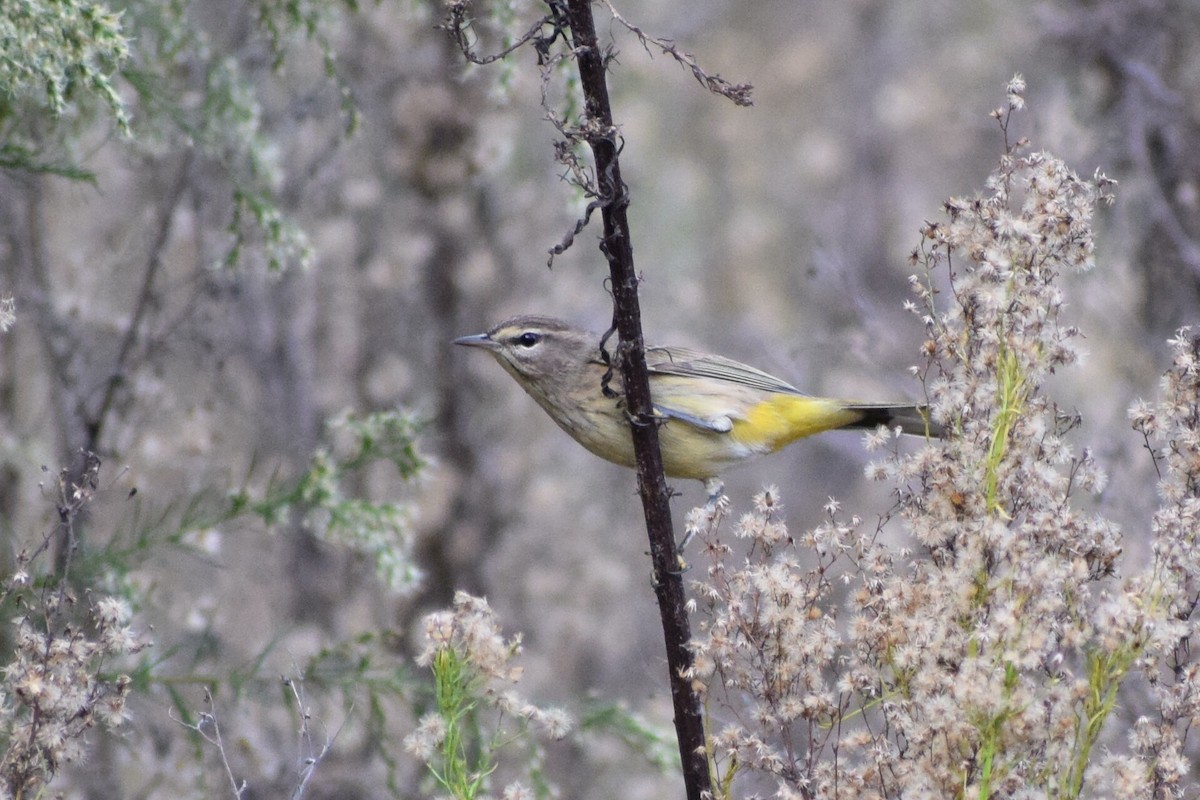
783 418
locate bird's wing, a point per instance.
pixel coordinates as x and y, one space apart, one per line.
691 364
706 391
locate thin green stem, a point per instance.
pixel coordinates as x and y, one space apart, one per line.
1012 393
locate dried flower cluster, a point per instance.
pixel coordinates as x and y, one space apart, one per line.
56 689
988 662
770 638
1167 594
60 680
472 664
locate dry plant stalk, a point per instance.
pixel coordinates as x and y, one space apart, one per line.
59 682
988 661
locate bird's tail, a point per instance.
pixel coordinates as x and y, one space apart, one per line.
911 419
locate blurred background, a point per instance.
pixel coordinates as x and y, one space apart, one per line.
777 235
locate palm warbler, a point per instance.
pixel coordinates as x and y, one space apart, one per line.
716 413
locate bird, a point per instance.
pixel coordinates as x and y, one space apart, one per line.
714 413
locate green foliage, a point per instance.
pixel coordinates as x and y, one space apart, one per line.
463 764
380 530
57 59
281 19
386 435
230 130
53 54
1010 403
645 739
61 66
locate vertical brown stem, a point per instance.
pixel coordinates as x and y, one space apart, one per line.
618 249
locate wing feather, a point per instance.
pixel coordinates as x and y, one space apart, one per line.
690 363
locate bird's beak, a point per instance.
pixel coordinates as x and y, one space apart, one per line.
478 340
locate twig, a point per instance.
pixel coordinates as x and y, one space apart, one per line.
208 722
119 376
458 23
309 767
739 93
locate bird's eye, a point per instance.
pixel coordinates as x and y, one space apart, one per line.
529 339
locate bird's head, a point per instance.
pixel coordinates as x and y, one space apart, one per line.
537 350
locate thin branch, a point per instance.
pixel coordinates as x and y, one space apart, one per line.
118 376
458 25
739 93
208 729
311 761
